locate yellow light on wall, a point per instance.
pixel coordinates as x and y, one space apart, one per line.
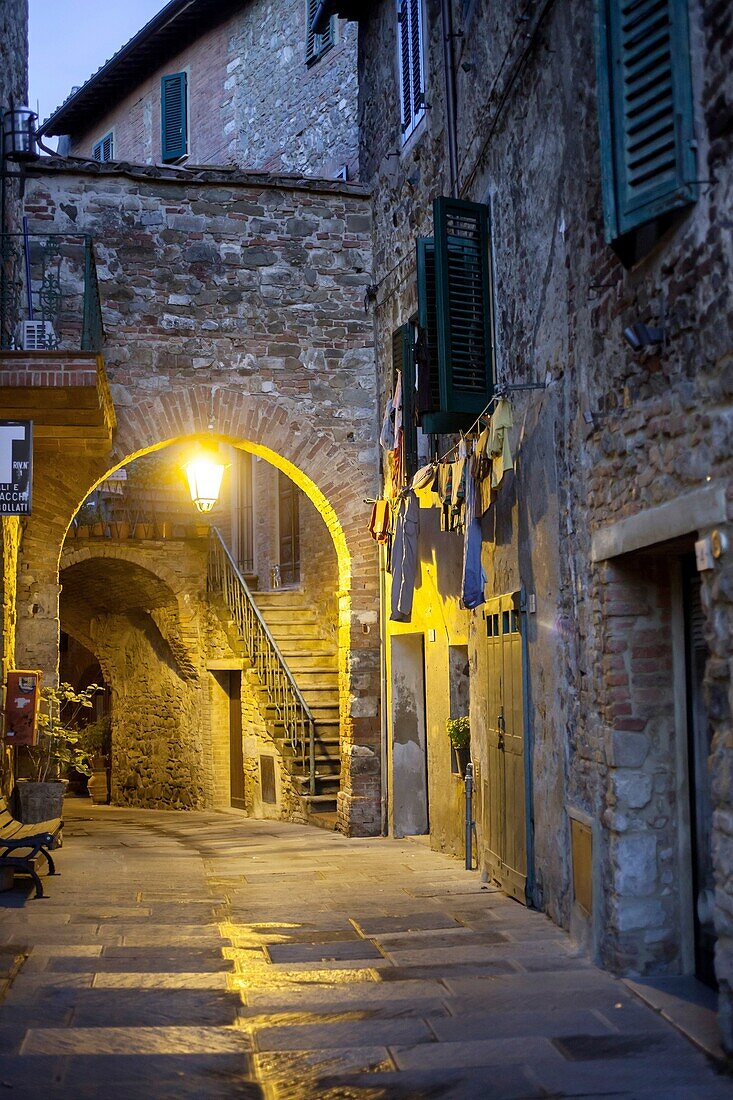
205 472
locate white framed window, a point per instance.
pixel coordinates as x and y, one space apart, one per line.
104 148
411 61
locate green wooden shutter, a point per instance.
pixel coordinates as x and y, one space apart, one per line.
403 360
103 149
316 44
173 117
464 305
403 23
648 157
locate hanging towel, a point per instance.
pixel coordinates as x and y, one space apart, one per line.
386 436
380 524
474 578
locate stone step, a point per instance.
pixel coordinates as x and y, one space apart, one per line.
325 784
325 765
276 616
319 803
323 819
315 664
280 597
304 647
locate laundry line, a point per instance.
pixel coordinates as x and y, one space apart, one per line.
498 395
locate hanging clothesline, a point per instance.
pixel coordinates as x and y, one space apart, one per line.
499 394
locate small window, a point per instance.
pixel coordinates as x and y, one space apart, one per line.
104 148
645 112
411 64
174 117
316 44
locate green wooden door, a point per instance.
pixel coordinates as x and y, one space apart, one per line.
504 802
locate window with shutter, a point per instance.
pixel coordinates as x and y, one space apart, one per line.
173 117
411 64
316 44
403 360
104 148
645 107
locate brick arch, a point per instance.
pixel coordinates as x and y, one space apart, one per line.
70 556
333 475
329 472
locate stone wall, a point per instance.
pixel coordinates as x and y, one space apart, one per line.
614 433
237 297
253 101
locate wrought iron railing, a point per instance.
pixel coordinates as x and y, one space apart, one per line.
225 580
49 293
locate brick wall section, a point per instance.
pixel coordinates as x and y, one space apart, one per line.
614 433
252 100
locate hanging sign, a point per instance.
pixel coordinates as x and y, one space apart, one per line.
16 467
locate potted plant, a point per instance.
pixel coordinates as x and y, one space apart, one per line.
40 796
459 733
94 739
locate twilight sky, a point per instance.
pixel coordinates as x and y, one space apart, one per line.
70 39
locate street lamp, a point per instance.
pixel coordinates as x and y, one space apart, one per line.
205 472
19 135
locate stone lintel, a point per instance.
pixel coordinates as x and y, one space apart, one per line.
687 513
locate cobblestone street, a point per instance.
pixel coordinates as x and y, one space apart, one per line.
209 955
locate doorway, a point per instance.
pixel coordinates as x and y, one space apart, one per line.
236 754
288 530
699 736
409 741
505 806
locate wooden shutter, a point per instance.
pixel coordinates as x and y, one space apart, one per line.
103 150
316 44
411 64
464 310
173 116
403 360
645 106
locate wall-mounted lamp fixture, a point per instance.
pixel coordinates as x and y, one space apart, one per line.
639 336
20 143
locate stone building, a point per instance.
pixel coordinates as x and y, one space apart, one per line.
603 786
241 83
222 305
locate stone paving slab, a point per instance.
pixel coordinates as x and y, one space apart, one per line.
214 956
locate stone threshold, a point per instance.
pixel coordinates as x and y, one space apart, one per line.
688 1005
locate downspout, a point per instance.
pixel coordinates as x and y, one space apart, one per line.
451 114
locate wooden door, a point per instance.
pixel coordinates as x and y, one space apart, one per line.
236 755
505 802
288 530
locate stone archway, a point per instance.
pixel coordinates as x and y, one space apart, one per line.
337 485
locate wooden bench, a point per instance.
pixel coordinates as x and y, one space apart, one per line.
21 844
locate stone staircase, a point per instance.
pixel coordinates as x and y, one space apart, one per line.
313 661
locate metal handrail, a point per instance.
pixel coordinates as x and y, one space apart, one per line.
225 579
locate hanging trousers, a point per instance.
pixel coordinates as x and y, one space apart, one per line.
404 557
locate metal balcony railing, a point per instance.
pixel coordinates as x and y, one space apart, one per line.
225 580
49 293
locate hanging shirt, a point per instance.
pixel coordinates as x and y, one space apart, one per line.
501 455
386 436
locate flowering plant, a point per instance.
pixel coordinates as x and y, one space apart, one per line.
459 731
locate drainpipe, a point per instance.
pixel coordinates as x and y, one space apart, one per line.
451 115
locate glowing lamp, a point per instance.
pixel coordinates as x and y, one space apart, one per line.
204 473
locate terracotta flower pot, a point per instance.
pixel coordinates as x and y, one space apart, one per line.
98 530
40 801
120 530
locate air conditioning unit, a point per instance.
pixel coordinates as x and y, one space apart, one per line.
36 336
